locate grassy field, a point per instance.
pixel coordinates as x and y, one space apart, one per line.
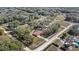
65 24
36 43
51 48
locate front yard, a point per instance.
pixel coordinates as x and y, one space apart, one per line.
36 43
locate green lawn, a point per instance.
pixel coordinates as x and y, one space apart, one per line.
36 42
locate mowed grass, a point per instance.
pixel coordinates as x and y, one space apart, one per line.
65 24
36 43
51 48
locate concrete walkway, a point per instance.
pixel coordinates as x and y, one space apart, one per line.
43 38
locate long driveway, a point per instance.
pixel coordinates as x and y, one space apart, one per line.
43 46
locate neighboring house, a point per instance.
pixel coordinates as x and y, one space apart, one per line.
37 32
72 41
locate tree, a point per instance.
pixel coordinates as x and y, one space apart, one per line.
14 24
52 29
74 30
64 35
7 44
23 34
11 46
73 17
